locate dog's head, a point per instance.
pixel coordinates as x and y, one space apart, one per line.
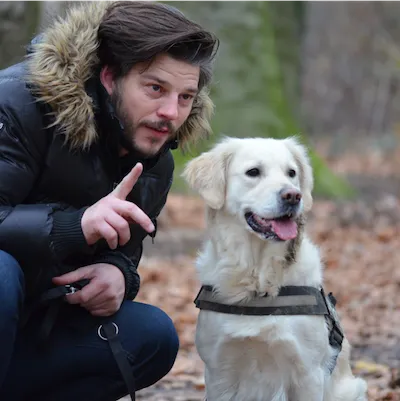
266 183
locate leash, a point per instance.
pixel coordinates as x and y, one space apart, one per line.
111 331
52 299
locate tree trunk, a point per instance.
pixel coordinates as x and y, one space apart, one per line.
351 85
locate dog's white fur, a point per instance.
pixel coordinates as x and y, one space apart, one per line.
261 358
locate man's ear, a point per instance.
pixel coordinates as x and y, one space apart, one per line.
299 152
206 174
107 79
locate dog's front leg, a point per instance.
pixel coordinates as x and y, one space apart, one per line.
309 387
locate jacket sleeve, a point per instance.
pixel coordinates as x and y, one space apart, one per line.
29 231
127 258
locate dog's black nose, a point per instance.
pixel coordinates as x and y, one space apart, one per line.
290 196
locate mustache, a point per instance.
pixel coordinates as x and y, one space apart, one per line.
159 125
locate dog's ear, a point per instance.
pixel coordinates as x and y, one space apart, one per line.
206 174
299 152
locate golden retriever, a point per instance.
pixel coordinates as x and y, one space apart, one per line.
257 193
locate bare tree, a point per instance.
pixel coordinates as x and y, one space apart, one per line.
350 83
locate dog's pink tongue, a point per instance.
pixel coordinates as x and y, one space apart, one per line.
285 229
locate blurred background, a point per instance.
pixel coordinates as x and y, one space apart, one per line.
328 72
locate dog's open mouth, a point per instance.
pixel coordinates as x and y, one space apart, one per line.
282 228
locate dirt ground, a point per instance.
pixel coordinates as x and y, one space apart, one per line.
360 245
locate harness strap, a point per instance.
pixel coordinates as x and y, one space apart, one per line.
291 300
336 334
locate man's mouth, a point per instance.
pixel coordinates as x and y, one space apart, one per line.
282 228
162 127
163 131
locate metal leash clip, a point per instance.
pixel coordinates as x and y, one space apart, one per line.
70 289
76 286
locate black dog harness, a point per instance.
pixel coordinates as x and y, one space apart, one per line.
291 300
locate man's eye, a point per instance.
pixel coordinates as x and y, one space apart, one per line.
187 97
156 88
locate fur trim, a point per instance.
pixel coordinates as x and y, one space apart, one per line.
62 62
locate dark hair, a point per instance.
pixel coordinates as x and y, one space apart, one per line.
132 32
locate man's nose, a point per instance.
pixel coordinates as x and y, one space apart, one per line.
169 109
290 196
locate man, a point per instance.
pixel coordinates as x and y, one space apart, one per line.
86 127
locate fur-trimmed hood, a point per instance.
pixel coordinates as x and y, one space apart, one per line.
63 60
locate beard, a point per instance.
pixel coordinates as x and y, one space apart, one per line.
128 127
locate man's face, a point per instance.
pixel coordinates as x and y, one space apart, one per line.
153 102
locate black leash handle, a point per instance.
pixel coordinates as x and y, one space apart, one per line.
111 335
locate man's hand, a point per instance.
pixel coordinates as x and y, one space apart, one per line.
109 218
105 292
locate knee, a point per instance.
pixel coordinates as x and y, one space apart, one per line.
11 285
161 339
159 343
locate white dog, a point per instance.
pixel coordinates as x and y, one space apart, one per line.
257 192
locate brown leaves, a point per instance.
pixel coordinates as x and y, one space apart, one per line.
172 285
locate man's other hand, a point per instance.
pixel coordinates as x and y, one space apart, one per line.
104 293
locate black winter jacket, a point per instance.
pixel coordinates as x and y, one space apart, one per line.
59 155
45 188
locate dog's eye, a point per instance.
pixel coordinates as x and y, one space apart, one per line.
253 172
292 173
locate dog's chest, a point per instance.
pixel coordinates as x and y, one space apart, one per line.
261 339
261 355
268 329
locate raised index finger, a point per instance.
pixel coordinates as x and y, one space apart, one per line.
123 189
